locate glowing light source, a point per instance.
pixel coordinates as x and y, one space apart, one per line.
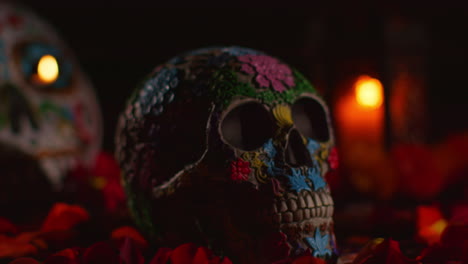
369 92
430 223
47 69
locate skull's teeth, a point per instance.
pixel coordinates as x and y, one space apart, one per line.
282 206
330 210
327 200
307 213
298 215
287 217
309 201
302 207
317 200
292 205
301 203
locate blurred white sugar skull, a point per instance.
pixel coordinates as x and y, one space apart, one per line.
48 110
229 147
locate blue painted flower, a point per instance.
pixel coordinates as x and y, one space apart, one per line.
312 146
158 91
272 169
319 244
270 149
298 181
313 174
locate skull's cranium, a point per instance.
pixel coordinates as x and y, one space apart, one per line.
229 147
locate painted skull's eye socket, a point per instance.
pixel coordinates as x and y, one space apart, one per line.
310 119
247 126
45 66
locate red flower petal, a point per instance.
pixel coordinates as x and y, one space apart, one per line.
114 195
7 227
128 231
24 261
71 253
308 260
276 246
387 251
106 166
455 237
162 256
60 260
183 254
64 217
202 256
418 170
130 253
215 260
460 214
13 247
226 261
101 252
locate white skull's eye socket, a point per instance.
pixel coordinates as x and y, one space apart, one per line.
247 126
310 119
44 66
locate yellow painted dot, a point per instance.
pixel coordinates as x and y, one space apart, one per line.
369 92
48 69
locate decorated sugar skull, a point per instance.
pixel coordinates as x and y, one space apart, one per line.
49 115
230 148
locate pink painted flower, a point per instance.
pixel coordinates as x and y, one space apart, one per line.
240 170
270 72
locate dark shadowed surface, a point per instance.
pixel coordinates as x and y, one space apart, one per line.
119 43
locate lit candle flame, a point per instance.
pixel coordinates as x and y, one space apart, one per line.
48 69
369 92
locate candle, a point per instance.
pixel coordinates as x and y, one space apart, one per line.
359 114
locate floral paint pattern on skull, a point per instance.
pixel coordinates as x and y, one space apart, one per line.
229 147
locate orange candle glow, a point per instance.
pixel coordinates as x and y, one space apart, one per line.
359 114
369 92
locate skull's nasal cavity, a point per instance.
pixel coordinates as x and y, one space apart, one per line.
296 152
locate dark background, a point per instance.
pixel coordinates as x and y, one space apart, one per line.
118 44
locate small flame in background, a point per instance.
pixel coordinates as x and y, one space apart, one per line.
368 92
48 69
